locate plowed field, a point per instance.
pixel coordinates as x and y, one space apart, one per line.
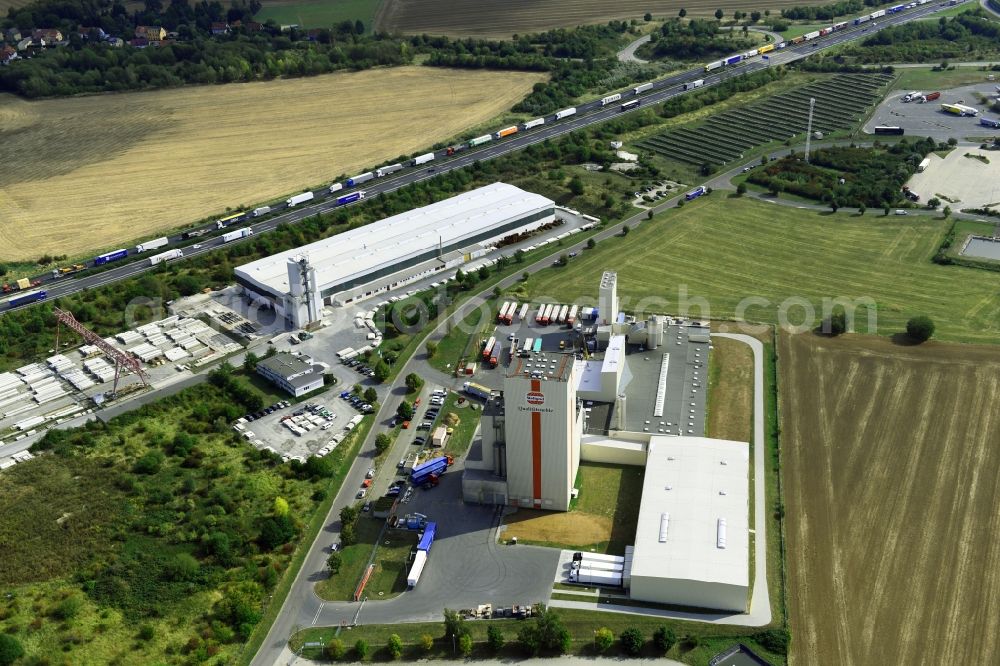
892 500
503 18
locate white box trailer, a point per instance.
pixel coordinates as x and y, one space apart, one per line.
641 88
152 245
263 210
601 557
419 561
610 99
165 256
299 198
566 113
926 162
595 577
422 159
533 123
236 235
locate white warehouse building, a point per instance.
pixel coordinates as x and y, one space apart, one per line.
378 256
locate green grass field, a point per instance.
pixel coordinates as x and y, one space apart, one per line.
924 78
389 577
725 250
319 13
463 431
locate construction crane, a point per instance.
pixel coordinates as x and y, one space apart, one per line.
121 359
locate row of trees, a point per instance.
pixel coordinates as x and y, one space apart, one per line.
967 36
695 39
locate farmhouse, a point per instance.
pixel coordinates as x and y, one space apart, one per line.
390 252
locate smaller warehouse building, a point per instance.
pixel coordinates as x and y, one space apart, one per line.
692 543
291 373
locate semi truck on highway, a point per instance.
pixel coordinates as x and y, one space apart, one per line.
348 198
631 104
697 83
263 210
533 123
386 170
27 297
108 257
477 390
610 98
194 233
360 178
642 87
457 148
480 140
299 198
422 159
236 235
22 284
566 113
153 244
66 270
166 256
229 219
336 187
506 131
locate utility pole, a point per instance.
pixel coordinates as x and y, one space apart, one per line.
809 126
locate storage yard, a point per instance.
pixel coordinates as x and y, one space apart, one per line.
195 125
966 181
494 18
929 118
841 101
891 499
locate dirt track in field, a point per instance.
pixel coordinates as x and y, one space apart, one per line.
892 500
503 18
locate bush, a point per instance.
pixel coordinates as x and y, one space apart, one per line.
413 382
920 328
632 641
146 632
835 324
664 638
10 650
604 638
774 640
395 646
361 648
335 649
427 642
494 638
465 645
149 463
382 443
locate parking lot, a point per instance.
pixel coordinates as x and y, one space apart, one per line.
928 119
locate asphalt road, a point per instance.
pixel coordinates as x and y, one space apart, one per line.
587 114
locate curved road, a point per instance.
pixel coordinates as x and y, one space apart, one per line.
587 114
627 54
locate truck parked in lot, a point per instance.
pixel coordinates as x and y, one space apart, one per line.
430 471
299 198
236 235
989 122
166 256
263 210
386 170
477 390
924 163
912 96
929 97
153 244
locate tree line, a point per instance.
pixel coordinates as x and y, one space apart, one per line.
697 38
967 36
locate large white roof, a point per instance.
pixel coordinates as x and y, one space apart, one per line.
394 239
695 481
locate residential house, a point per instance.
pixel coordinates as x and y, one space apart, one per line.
116 42
249 26
8 54
25 44
12 35
139 42
150 33
220 28
97 33
47 36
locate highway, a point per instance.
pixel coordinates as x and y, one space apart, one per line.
587 114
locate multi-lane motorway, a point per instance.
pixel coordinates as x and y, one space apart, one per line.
587 114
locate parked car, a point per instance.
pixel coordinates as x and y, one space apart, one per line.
419 441
361 493
335 546
367 507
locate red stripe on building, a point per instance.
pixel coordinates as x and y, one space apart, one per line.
536 445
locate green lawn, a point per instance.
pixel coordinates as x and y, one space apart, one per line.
320 13
924 78
389 577
725 250
453 344
462 433
795 30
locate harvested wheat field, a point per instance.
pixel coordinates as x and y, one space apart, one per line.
892 500
100 171
503 18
